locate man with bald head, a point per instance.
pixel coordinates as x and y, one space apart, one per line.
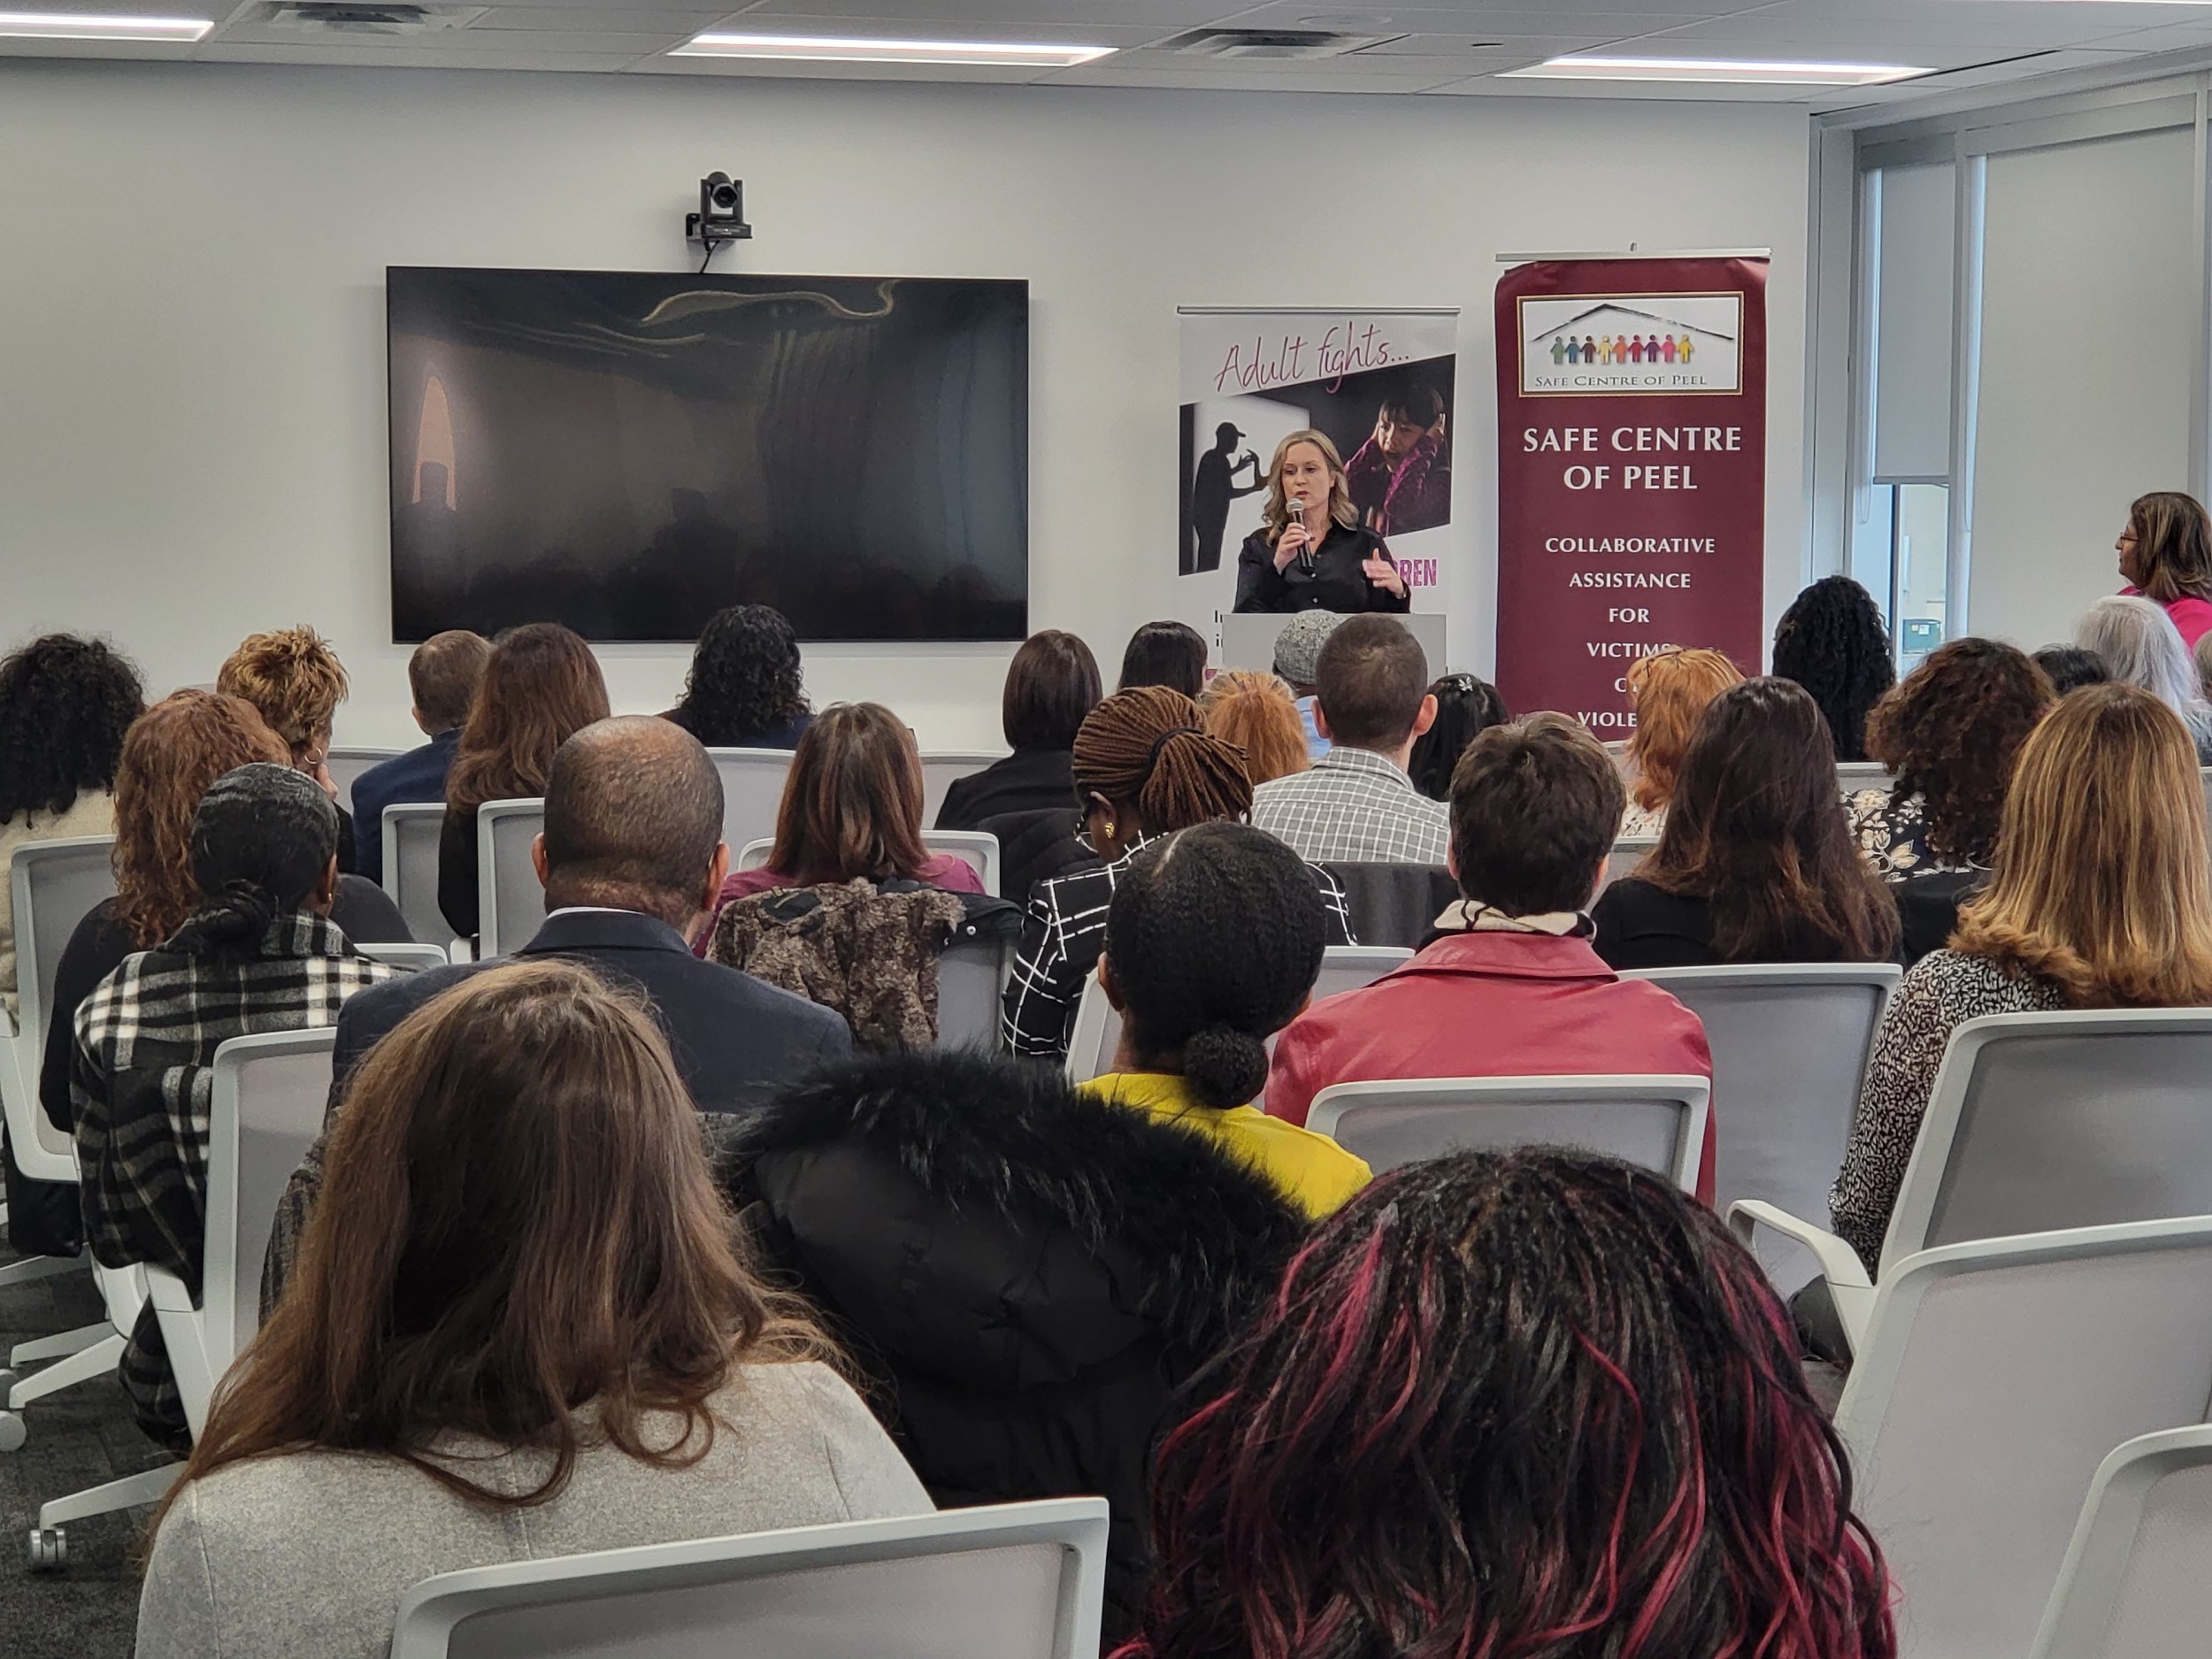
630 854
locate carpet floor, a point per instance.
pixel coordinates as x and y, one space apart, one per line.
78 1438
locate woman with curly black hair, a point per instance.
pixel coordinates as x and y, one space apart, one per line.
65 704
743 690
1832 641
1949 734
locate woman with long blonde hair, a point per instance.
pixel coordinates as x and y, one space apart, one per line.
2099 896
1255 711
1311 552
1668 692
520 1327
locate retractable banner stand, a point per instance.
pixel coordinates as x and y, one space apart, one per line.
1380 384
1632 473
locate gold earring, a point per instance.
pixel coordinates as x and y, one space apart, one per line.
1108 828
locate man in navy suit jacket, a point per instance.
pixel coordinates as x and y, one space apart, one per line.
442 675
632 852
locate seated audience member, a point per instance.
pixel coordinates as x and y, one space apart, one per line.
261 953
1255 711
1509 985
1523 1403
521 1330
2137 640
541 687
443 676
1668 692
1298 666
1756 863
171 755
1164 653
2202 654
2097 899
1832 641
744 690
2166 556
1466 707
1145 765
2068 666
1051 684
851 812
295 681
1027 1272
64 705
1213 941
1356 805
1950 735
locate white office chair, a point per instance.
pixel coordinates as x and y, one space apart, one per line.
940 771
414 958
1994 1379
1789 1042
1855 775
346 765
1003 1581
509 898
1656 1121
2038 1122
752 790
976 848
410 869
2133 1583
1097 1031
970 976
1625 855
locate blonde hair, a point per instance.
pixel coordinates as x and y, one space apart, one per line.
2102 880
1276 515
294 679
1670 691
1255 711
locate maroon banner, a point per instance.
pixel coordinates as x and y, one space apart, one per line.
1631 473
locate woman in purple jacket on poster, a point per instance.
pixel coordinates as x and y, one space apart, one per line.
1401 479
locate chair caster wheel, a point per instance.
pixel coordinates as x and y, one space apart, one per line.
49 1549
12 1432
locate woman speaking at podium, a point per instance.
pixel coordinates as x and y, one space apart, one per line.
1310 552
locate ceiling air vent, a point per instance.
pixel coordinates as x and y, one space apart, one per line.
361 17
1278 43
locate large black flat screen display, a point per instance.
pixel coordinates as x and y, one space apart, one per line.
627 453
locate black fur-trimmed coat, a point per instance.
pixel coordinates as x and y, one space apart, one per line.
1025 1274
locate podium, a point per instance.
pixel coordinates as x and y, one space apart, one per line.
1246 639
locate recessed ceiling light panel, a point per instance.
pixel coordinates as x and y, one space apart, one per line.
74 26
842 48
1741 72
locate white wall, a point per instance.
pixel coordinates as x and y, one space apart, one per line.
192 432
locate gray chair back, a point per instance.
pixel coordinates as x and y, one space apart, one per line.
270 1094
1789 1042
414 958
971 973
1393 904
411 868
1855 775
940 771
345 765
1994 1379
1625 855
2040 1122
52 886
2133 1585
1657 1122
509 898
1001 1581
752 789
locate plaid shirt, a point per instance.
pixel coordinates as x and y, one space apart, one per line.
142 1080
1354 807
1063 933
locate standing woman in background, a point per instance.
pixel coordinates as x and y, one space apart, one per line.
540 687
1318 557
2166 556
744 690
1832 641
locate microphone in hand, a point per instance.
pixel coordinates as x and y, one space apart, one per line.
1296 506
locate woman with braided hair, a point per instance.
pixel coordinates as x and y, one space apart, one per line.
1213 941
1144 766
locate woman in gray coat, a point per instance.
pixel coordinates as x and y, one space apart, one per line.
516 1216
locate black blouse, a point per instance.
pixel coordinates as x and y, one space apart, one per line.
1338 583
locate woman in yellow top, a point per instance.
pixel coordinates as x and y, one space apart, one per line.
1213 941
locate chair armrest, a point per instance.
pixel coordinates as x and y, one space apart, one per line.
1840 1264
